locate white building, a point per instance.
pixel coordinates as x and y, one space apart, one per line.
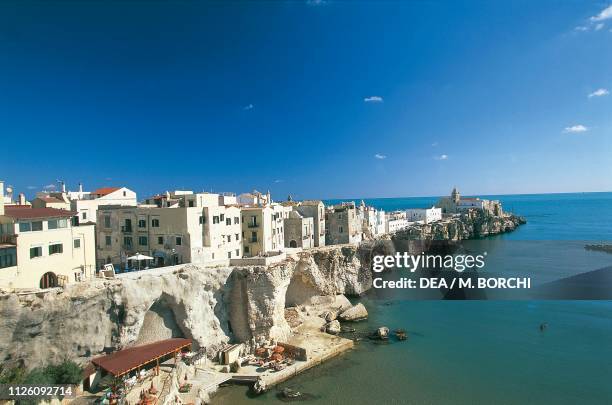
396 221
197 230
263 228
424 215
86 206
40 248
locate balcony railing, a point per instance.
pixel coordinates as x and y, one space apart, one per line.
126 229
253 225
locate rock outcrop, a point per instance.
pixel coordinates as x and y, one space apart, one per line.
469 225
212 306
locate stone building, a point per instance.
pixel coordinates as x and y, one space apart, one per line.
343 224
455 204
299 231
373 220
314 209
198 230
263 228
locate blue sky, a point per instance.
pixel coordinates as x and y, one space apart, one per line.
319 99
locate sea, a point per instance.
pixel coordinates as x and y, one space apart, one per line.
483 351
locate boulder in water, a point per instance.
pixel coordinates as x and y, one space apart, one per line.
333 328
354 313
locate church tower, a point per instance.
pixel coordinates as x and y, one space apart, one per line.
455 196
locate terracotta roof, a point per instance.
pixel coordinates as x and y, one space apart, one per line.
125 360
50 199
26 212
105 190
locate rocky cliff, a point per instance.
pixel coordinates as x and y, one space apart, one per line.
469 225
210 305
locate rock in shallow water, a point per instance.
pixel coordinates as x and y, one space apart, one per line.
333 328
355 313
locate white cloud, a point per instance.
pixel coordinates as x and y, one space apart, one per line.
575 129
599 26
248 107
434 144
599 93
49 187
373 99
380 156
605 14
278 181
581 28
441 157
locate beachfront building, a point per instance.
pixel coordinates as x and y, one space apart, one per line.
424 215
40 248
395 221
263 229
343 224
299 231
197 230
456 204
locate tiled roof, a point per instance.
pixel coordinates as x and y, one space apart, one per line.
26 212
105 190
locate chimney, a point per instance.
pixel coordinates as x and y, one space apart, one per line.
22 199
1 198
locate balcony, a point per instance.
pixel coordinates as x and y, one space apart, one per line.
126 229
253 225
8 239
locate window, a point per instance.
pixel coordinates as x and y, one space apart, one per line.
77 243
237 252
229 238
57 223
222 217
179 241
190 203
124 193
155 222
35 252
127 241
246 249
215 219
340 229
160 240
37 226
25 227
228 221
201 219
107 240
107 221
84 215
143 240
56 248
237 237
142 223
229 255
8 257
253 236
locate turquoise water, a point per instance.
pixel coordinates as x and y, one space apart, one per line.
482 352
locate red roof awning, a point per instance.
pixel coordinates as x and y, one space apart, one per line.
129 359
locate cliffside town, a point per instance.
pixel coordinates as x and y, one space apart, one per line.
210 306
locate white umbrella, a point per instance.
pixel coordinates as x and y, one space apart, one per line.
138 257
